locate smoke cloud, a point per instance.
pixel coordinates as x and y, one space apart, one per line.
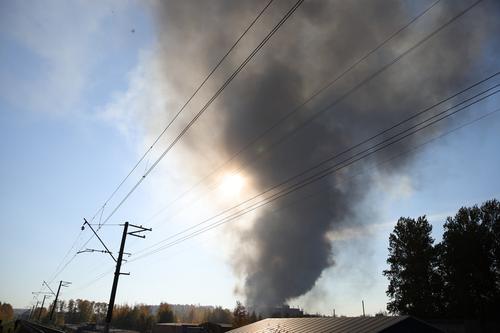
289 240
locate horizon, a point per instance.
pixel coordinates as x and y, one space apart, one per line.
269 173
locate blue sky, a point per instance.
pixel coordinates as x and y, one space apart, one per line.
75 85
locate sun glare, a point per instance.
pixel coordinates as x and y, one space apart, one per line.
232 184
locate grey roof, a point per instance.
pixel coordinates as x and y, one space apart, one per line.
328 325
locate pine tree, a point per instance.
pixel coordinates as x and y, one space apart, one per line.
414 284
468 265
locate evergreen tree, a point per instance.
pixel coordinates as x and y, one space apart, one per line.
240 315
468 263
490 213
414 283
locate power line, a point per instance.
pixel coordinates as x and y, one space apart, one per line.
214 225
202 84
58 268
301 105
387 130
223 87
392 158
325 87
183 107
207 104
367 140
352 90
369 78
97 278
338 166
178 113
239 214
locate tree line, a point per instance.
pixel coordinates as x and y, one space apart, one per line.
457 278
142 317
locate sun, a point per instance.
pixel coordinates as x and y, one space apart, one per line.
232 184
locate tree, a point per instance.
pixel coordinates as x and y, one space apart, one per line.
6 312
240 315
220 315
468 262
165 314
414 284
71 315
100 311
85 310
41 313
144 319
62 305
123 316
191 315
490 213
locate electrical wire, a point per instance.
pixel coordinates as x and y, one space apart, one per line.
320 192
378 72
288 115
359 85
334 168
371 138
205 107
58 268
230 79
200 86
237 171
352 90
273 31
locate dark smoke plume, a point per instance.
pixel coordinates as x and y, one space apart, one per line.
289 241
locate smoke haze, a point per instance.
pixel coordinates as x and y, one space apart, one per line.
289 239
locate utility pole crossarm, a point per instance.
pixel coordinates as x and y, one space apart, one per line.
141 229
93 250
100 240
52 291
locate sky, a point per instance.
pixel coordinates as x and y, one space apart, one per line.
83 89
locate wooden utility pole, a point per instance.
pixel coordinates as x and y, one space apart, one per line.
32 310
61 284
41 308
140 228
33 313
37 301
111 304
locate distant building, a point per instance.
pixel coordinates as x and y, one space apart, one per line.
191 328
284 311
216 327
177 328
339 325
92 328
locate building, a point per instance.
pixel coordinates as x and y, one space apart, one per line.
284 311
177 328
191 328
338 325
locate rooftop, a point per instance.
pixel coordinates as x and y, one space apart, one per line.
337 325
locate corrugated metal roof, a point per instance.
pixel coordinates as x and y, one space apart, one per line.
319 325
